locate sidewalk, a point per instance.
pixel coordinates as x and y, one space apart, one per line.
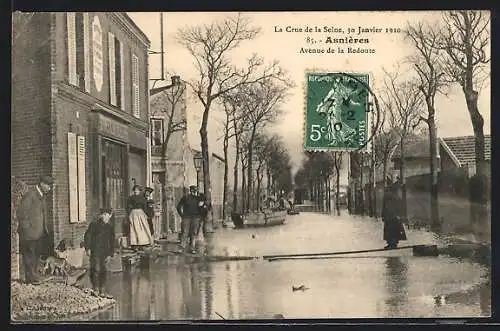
454 245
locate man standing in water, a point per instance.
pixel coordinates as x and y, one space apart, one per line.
190 211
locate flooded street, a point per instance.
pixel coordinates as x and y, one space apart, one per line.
349 287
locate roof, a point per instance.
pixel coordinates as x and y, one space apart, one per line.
138 30
414 148
160 89
464 148
461 149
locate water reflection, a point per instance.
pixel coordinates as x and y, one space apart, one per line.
397 286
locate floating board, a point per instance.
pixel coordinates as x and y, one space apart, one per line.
414 250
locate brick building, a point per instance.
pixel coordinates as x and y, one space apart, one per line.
80 104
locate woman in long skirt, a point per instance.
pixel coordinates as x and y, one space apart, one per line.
140 235
392 215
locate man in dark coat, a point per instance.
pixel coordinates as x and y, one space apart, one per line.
99 243
33 229
392 214
189 207
150 208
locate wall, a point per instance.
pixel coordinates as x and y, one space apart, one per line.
31 117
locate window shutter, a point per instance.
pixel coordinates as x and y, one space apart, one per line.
122 77
82 196
135 86
86 50
111 66
71 30
73 178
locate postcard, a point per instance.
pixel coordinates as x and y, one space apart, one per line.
180 166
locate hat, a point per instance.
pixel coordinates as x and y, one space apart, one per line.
193 187
148 190
46 180
105 211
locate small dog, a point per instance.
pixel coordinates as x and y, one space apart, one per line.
55 265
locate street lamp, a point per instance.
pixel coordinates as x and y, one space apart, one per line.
198 161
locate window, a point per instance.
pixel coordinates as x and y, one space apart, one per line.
135 87
114 174
156 132
115 54
77 46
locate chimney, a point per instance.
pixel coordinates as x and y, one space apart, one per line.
176 80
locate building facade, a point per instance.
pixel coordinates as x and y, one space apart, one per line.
168 152
80 113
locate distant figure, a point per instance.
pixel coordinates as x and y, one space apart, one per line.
140 235
150 208
99 243
33 229
190 210
392 214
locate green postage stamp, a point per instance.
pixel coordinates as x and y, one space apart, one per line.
337 106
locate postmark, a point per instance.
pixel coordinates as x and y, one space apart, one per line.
337 106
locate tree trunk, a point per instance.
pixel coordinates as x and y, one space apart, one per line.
268 175
244 206
433 148
250 170
259 181
337 190
226 171
235 177
402 177
384 172
206 160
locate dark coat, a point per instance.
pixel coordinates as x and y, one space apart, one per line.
136 202
150 213
189 206
392 214
32 216
100 239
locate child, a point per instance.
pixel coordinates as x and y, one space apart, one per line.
99 243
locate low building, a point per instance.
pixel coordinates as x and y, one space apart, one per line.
80 113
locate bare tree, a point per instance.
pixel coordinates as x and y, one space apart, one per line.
211 46
384 143
174 120
337 163
403 101
260 103
234 125
431 81
465 40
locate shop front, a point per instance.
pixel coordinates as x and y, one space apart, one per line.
121 149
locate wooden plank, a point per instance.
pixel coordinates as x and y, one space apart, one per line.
266 257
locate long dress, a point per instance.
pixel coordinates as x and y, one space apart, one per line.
392 211
140 235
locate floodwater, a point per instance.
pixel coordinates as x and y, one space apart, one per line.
349 287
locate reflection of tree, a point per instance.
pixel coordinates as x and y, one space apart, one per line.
397 285
191 294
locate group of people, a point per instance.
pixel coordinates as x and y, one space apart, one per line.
138 226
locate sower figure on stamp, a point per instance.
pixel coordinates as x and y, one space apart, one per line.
99 243
190 211
32 216
392 214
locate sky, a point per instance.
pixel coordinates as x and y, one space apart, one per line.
390 50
